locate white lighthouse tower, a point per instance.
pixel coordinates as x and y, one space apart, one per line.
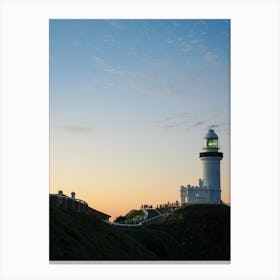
211 158
209 188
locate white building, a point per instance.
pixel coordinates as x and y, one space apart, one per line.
209 188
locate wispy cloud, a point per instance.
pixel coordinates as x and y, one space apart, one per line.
210 57
109 39
98 61
113 71
194 40
74 129
199 123
157 87
188 121
174 121
106 67
186 47
207 124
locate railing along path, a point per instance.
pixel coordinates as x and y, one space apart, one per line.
142 223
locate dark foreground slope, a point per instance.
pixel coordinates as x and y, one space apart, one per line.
202 232
79 236
197 232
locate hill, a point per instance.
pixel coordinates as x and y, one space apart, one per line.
195 232
134 213
202 232
80 236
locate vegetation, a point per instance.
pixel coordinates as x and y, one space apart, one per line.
80 236
120 219
192 232
202 231
132 215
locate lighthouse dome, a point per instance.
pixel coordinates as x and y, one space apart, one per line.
211 134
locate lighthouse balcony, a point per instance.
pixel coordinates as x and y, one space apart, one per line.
211 154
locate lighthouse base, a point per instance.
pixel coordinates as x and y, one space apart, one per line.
201 194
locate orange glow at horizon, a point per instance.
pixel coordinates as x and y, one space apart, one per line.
117 197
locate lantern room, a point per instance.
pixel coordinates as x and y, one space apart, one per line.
211 141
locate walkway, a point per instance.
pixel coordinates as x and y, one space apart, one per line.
142 223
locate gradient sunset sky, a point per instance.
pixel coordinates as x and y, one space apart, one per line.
130 103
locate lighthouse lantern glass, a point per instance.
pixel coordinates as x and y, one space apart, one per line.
212 143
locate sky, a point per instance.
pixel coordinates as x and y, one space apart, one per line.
130 103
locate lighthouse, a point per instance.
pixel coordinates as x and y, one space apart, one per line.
209 187
210 158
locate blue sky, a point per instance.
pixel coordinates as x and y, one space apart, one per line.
132 99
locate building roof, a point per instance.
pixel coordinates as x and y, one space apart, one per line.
98 212
94 211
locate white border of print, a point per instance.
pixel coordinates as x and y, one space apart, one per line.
254 130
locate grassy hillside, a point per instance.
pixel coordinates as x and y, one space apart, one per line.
202 232
131 216
133 213
78 236
197 232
